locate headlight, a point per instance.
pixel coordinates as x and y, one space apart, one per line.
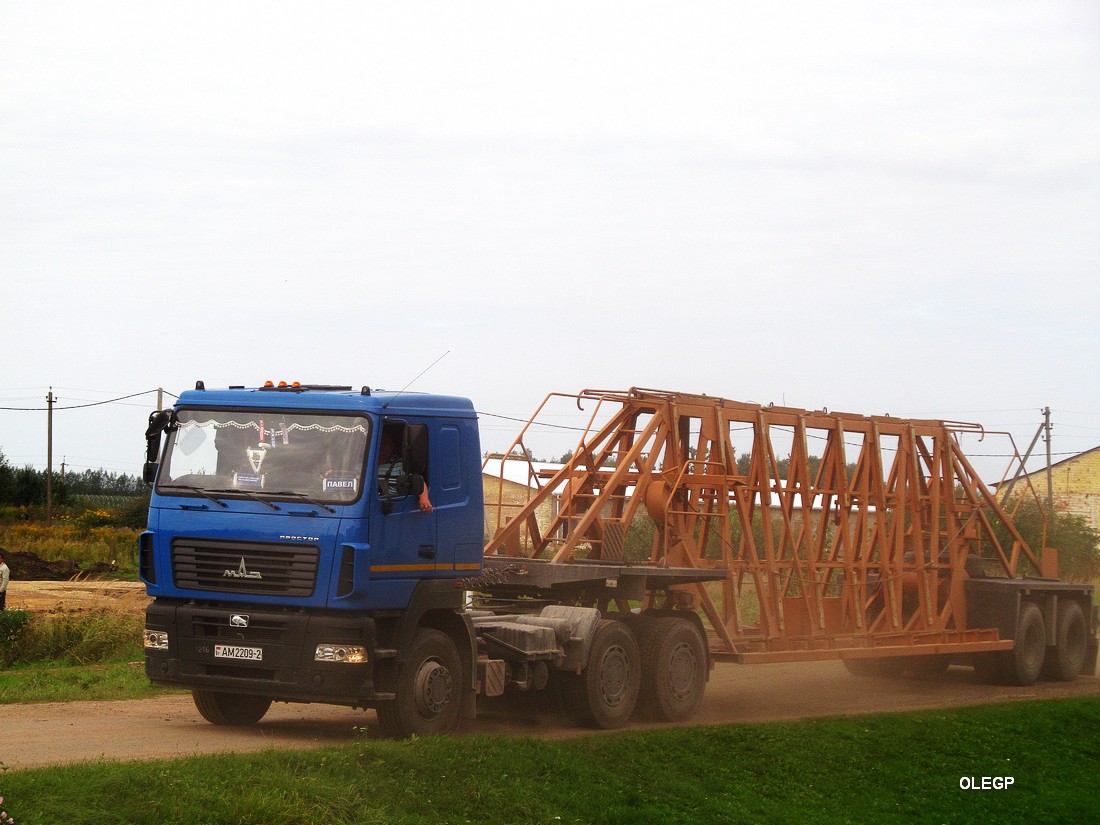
156 639
348 654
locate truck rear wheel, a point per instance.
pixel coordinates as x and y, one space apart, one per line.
1022 664
219 708
429 689
605 693
1066 660
674 669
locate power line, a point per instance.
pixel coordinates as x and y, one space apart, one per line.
78 406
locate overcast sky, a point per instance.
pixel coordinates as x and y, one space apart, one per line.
872 207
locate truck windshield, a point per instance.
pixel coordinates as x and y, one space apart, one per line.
266 453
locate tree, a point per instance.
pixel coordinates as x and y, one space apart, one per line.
1078 545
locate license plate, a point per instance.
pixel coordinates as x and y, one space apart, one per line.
251 654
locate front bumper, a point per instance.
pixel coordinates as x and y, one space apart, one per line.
201 636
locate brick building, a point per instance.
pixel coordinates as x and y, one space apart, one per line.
1075 484
509 485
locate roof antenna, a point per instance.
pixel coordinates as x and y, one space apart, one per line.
436 361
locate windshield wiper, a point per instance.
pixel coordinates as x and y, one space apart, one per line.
194 489
247 494
301 496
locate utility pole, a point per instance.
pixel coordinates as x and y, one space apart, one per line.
49 456
160 398
1050 480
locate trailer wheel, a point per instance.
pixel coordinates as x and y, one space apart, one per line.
219 708
674 669
605 693
889 667
429 689
1023 664
1066 660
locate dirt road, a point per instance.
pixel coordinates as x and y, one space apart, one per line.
170 727
42 597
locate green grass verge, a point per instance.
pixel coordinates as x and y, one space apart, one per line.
62 682
873 769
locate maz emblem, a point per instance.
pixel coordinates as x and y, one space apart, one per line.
241 572
238 620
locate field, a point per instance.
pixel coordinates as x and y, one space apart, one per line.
886 768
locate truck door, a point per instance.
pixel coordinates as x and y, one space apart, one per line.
403 538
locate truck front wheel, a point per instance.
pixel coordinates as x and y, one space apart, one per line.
605 693
219 708
429 689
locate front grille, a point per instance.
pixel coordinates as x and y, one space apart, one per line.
220 627
252 568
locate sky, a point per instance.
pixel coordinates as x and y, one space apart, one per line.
870 207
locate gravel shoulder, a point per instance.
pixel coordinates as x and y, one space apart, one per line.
169 726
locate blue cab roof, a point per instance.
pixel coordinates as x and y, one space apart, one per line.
311 397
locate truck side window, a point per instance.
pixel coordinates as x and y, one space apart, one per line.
391 465
403 463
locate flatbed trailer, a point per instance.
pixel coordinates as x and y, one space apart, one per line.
889 552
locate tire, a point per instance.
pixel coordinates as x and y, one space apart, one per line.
1023 664
605 693
1066 660
429 689
674 669
890 667
230 708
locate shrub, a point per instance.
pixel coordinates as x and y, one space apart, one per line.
98 635
13 623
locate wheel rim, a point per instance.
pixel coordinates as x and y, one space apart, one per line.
682 669
614 675
433 688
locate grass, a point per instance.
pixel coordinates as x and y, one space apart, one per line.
889 768
60 682
67 656
101 634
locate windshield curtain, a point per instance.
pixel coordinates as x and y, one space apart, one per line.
267 452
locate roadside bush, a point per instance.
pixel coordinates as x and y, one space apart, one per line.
98 635
13 624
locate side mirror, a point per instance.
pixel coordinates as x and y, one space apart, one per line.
416 449
404 486
410 485
159 421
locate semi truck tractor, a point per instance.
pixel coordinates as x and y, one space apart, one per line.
314 543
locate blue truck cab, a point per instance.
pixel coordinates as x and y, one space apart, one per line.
305 543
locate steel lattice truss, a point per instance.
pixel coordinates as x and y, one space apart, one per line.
867 547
